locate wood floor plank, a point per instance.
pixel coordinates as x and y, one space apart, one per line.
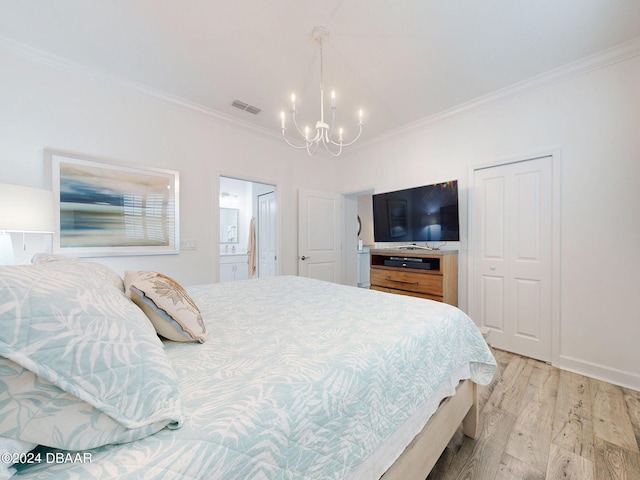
511 386
572 424
513 469
502 357
483 460
485 391
477 459
632 399
614 462
611 420
531 436
566 465
591 431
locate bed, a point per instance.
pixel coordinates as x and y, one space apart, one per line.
275 378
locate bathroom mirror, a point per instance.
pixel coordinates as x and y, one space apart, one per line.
228 225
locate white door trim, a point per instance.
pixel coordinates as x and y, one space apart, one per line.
555 155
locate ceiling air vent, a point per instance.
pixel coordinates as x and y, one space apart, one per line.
252 109
246 107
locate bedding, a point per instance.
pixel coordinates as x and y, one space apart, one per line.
298 379
10 452
94 270
80 364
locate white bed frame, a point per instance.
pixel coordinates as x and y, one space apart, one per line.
423 452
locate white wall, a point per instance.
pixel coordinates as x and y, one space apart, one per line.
43 106
594 120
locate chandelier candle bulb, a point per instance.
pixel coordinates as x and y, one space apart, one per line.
360 115
293 102
333 99
282 117
340 133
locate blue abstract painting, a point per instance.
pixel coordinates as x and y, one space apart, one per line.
115 209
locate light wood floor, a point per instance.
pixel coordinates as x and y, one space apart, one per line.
541 423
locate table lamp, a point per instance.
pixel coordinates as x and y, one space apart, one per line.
26 210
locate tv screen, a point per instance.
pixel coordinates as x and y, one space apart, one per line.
420 214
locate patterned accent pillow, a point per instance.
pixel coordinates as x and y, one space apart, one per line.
85 353
95 269
171 310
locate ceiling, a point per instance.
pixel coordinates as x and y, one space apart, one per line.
399 61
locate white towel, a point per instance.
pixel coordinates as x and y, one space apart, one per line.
251 248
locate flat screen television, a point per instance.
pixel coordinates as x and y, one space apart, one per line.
420 214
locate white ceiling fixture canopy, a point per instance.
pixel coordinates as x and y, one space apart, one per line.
325 133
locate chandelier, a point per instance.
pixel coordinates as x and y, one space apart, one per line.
324 132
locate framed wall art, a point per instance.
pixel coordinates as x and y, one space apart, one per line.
106 209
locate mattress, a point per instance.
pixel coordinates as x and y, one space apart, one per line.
298 379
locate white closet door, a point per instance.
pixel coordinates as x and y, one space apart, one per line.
512 245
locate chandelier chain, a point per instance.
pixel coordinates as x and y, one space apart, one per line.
321 65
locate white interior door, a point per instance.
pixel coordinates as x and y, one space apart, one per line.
512 245
267 239
319 235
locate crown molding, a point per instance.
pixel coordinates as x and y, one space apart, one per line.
40 56
605 58
616 54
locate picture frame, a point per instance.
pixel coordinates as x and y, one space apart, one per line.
107 209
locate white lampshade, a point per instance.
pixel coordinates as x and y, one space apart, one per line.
26 209
23 209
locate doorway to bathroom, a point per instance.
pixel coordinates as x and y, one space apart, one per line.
248 229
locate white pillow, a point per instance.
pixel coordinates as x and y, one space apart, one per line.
171 310
86 267
82 340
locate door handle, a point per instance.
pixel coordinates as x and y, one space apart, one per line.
304 258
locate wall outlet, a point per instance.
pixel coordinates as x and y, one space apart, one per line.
188 245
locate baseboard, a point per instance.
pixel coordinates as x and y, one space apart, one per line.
600 372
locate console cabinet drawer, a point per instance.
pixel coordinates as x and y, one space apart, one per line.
403 272
410 281
437 298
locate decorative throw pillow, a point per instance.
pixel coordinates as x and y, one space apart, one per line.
76 352
171 310
95 269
